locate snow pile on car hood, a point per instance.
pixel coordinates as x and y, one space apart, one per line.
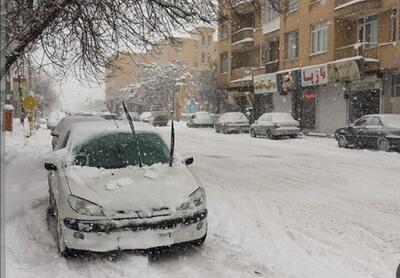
132 189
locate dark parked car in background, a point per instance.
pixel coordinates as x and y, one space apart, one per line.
159 118
379 131
232 122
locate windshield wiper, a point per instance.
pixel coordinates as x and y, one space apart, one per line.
134 134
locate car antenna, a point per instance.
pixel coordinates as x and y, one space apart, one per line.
134 134
172 148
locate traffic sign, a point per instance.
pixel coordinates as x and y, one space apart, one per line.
29 103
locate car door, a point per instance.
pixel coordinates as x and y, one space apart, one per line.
266 124
220 122
373 130
258 124
357 130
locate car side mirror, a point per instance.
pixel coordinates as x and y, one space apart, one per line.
188 161
50 166
81 160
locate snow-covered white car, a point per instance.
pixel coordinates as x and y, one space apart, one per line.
232 122
274 125
102 200
54 118
146 116
200 119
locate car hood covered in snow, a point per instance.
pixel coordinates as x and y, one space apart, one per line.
128 190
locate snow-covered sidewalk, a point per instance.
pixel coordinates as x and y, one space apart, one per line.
298 208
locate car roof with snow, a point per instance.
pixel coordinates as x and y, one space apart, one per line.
66 122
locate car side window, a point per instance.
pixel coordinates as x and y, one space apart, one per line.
361 122
374 121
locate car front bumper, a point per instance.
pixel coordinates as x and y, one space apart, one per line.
120 234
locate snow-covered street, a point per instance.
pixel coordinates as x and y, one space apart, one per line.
298 208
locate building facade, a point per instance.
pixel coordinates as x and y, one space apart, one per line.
326 62
197 52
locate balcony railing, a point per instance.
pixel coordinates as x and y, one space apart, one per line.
243 6
343 7
242 74
366 50
243 39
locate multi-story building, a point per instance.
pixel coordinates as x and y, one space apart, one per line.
325 61
197 51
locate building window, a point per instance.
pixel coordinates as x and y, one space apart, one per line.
203 40
319 37
291 5
224 29
368 30
209 58
269 52
393 25
396 87
270 13
209 40
291 45
224 62
203 57
177 44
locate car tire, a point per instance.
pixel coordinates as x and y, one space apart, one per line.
383 145
269 135
216 130
253 133
342 142
199 242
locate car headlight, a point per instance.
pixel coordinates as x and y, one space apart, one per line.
84 207
195 199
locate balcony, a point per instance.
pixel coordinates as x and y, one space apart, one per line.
354 8
243 6
366 50
241 76
243 40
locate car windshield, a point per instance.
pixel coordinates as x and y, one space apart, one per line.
282 117
118 150
235 117
203 116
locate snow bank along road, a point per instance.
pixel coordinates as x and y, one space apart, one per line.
287 208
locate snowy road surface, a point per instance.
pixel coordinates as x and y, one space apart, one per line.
289 208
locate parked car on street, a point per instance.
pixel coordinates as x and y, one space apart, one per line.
159 118
54 118
273 125
232 122
65 123
109 116
378 131
102 200
200 119
146 116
